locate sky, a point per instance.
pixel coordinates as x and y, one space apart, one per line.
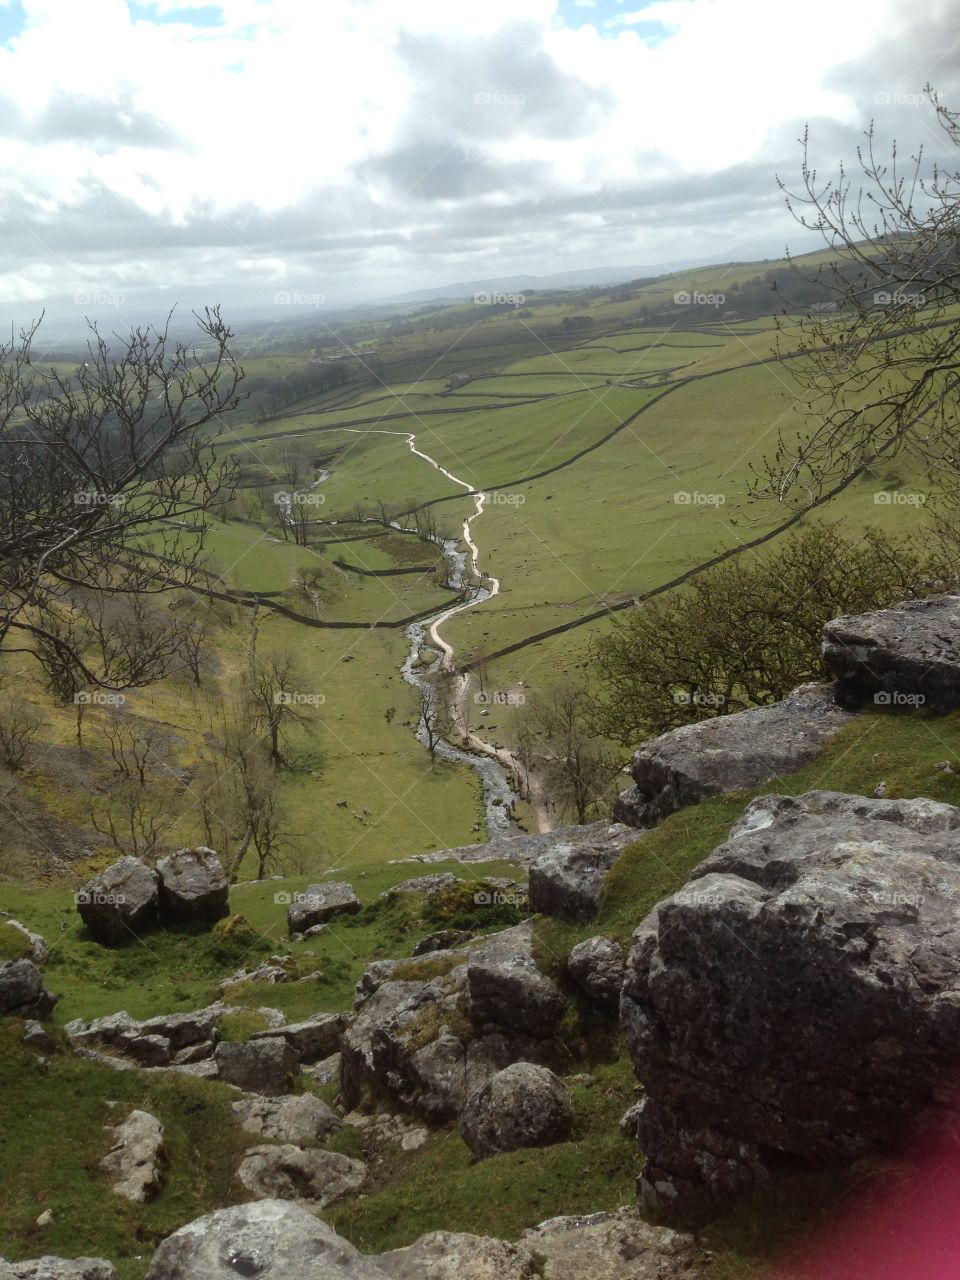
334 151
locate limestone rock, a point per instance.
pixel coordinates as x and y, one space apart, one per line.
311 1175
133 1163
448 1255
22 993
596 966
613 1246
315 1037
505 987
301 1118
49 1268
39 951
320 903
906 656
728 753
266 1240
522 1106
120 904
258 1066
193 886
567 879
798 999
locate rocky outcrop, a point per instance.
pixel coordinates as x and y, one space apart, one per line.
22 993
506 989
728 753
596 966
193 886
120 904
522 1106
523 850
612 1246
567 878
798 1001
315 1037
320 903
302 1118
449 1255
48 1268
905 657
430 1031
171 1039
134 1162
267 1066
268 1240
313 1176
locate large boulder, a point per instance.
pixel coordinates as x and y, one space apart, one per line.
267 1067
505 987
596 966
799 999
120 903
449 1255
311 1175
430 1031
907 656
134 1163
49 1268
522 1106
566 880
319 903
301 1118
193 886
727 753
612 1246
268 1240
22 992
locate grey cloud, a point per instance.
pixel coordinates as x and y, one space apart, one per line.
68 117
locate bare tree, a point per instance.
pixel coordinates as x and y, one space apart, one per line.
19 724
126 816
880 367
438 692
578 766
279 702
105 475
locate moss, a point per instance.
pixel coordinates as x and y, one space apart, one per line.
241 1025
422 969
13 944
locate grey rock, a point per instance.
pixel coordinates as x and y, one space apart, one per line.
505 987
302 1118
905 656
372 978
613 1246
258 1066
194 1052
50 1268
448 1255
149 1051
22 992
522 1106
134 1162
268 1240
193 886
442 940
630 1119
596 966
567 879
183 1029
523 850
315 1037
312 1176
799 998
120 904
423 884
320 903
728 753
